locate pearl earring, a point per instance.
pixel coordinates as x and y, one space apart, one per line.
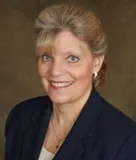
95 74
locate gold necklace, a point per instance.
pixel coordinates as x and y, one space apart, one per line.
59 140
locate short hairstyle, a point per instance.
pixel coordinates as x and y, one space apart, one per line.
81 22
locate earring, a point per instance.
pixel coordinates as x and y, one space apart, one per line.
95 74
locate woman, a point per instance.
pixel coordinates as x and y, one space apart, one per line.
73 122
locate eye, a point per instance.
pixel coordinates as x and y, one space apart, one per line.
73 59
46 58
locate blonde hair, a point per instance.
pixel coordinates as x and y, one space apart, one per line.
80 21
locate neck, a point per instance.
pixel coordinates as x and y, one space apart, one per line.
66 114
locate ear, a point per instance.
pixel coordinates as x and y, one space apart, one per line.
98 61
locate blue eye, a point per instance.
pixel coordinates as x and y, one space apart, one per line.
46 58
73 59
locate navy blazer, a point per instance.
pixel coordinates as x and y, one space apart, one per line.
101 132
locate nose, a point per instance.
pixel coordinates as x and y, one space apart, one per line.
57 68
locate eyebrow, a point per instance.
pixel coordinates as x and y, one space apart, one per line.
70 52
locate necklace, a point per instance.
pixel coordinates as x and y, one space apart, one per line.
58 139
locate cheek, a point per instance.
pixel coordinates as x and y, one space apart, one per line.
41 72
42 69
83 73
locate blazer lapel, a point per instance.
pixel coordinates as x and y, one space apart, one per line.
35 134
72 146
76 141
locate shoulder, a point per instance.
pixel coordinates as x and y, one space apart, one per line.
115 130
21 113
112 117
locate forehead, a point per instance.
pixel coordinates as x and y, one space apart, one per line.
65 42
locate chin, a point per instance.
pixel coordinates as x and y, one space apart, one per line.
60 99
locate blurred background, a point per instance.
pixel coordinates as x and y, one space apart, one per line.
18 71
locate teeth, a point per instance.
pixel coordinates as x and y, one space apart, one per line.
61 84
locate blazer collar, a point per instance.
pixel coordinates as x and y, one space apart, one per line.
34 134
89 115
46 105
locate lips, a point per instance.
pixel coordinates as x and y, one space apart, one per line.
60 84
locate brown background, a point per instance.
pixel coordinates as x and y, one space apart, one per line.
18 73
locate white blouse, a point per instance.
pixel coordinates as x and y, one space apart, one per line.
45 155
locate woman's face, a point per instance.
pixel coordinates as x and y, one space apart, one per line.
66 73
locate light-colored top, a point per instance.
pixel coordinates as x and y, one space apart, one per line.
45 154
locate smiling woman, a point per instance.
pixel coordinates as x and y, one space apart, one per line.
81 23
68 68
73 122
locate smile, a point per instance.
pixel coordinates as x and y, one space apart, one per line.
60 84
